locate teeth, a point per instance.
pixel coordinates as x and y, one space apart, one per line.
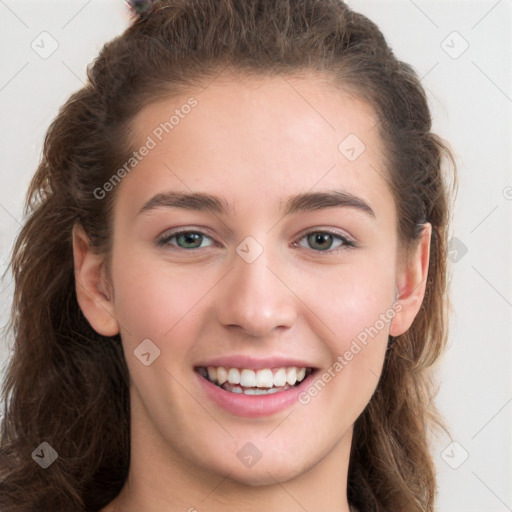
222 375
247 378
254 382
256 391
291 376
212 373
233 376
253 391
264 378
280 377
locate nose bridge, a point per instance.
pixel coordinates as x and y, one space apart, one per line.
255 297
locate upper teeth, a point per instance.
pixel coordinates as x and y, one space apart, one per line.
264 378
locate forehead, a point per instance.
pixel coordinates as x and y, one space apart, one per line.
265 138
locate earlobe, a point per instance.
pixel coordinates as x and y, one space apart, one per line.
92 289
411 283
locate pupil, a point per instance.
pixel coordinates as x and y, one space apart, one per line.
190 239
321 238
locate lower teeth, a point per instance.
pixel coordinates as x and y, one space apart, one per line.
253 391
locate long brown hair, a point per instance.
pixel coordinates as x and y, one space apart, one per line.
68 386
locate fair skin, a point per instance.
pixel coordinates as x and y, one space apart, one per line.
255 143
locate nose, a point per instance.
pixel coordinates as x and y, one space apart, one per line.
256 298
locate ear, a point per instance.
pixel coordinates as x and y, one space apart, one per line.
92 287
411 283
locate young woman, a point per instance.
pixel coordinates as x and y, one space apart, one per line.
231 284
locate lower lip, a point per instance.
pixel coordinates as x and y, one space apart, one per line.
253 406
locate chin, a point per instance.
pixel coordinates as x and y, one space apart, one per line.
265 475
268 470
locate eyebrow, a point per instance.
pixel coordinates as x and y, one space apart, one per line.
305 202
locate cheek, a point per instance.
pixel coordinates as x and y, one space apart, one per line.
355 307
157 300
352 298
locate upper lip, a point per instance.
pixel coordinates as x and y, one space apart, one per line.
253 363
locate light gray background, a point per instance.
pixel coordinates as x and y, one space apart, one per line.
470 91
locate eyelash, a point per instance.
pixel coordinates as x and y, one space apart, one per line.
346 242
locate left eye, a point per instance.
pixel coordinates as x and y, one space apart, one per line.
322 241
185 239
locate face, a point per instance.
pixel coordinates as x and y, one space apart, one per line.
283 264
